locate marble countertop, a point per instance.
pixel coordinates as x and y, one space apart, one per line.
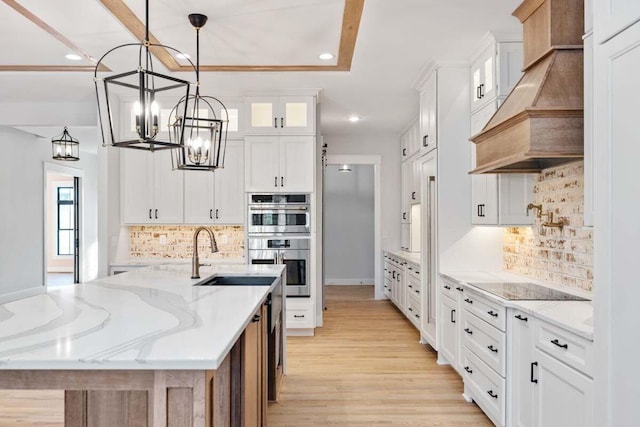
149 318
574 316
413 257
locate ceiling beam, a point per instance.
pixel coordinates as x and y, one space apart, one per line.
55 34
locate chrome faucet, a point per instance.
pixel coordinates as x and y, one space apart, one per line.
195 261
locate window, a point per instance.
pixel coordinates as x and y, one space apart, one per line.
66 223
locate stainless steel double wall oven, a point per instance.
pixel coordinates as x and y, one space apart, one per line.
279 228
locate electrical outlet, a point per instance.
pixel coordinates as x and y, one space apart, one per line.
163 239
224 239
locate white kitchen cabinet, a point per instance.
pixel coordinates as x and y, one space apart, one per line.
520 366
449 339
563 397
406 171
498 199
151 192
405 236
280 115
416 175
614 16
217 197
235 116
428 115
410 141
279 164
495 71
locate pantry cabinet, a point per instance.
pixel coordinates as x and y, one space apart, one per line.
280 115
428 137
521 365
449 315
151 192
217 197
279 164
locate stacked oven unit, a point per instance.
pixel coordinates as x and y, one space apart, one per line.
279 232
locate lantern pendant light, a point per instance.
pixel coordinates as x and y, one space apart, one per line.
65 147
148 89
204 130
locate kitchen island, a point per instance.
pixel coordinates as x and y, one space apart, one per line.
146 347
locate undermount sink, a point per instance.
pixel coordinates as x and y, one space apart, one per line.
237 281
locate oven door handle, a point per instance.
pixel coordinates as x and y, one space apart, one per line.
281 258
278 208
275 258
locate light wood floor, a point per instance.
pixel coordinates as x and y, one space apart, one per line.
365 367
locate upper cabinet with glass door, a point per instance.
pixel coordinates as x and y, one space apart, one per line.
495 71
294 115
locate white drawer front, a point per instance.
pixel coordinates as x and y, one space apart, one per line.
300 318
387 287
413 310
449 288
487 387
569 348
413 270
486 341
413 286
489 311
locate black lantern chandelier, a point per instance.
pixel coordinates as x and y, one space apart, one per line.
65 147
201 133
149 89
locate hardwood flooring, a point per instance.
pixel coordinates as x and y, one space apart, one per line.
365 367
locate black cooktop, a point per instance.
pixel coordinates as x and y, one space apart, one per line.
526 291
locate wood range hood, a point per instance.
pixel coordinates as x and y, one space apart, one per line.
540 123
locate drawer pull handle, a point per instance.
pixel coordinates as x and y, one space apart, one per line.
469 331
468 301
492 348
298 316
468 369
519 317
556 342
492 313
533 380
492 394
460 289
452 319
256 318
411 286
410 309
447 287
418 316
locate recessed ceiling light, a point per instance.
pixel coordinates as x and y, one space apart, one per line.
326 56
354 119
183 56
73 57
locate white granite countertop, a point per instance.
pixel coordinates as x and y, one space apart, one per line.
149 318
574 316
413 257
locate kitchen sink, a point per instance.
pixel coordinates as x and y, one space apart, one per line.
237 281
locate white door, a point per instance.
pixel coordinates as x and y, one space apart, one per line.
563 397
614 16
198 197
168 190
521 341
484 188
405 183
136 186
448 342
235 118
262 164
424 118
229 186
262 115
416 176
296 164
405 236
431 137
297 114
509 67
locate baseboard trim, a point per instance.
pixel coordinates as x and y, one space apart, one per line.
14 296
348 282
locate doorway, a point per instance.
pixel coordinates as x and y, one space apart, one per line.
62 227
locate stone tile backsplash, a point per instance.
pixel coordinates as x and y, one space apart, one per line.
563 257
176 241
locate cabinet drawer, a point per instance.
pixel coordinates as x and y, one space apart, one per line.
300 318
450 288
486 342
491 312
387 287
486 387
413 286
569 348
413 309
413 270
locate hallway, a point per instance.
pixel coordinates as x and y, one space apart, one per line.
365 367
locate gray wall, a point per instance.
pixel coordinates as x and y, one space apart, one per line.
22 212
349 225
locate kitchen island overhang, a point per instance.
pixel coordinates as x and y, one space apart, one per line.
145 346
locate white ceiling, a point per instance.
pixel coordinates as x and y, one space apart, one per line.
396 40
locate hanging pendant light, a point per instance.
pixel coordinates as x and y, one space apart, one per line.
148 89
203 146
65 147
